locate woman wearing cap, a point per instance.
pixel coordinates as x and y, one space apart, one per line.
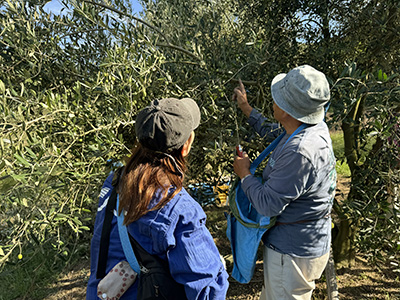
299 183
159 213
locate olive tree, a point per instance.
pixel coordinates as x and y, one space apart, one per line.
69 91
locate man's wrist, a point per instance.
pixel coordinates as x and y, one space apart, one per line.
246 109
244 177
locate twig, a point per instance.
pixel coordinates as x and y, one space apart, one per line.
179 49
129 16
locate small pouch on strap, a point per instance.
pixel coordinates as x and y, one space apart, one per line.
116 282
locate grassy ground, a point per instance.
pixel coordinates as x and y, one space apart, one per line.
338 145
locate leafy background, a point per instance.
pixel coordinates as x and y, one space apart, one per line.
71 85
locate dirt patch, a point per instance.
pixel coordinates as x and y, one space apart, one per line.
342 188
72 283
364 281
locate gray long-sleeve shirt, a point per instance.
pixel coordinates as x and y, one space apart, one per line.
299 187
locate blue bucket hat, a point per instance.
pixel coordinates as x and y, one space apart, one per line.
302 93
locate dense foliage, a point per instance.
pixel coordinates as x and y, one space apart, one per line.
71 85
69 94
369 117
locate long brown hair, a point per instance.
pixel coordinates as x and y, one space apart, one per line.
148 172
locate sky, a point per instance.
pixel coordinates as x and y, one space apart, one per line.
55 6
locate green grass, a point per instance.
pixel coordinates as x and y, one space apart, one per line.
338 144
30 277
342 168
25 277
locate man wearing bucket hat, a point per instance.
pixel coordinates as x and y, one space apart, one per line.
158 212
298 182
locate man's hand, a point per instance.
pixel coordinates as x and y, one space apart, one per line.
241 165
239 95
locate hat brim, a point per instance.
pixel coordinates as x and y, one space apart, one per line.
194 111
277 86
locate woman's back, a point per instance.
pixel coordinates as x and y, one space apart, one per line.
159 213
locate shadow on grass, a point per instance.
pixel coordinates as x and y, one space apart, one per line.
36 276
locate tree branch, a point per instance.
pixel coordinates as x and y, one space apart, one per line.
167 45
129 16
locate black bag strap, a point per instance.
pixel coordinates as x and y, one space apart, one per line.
106 230
161 278
145 259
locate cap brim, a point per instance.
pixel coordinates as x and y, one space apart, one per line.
194 111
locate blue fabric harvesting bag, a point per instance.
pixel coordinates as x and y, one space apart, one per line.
245 225
245 240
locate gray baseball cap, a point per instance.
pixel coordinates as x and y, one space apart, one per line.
166 124
302 93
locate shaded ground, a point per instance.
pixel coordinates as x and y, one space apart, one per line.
362 281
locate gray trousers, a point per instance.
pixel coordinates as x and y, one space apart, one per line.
287 277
